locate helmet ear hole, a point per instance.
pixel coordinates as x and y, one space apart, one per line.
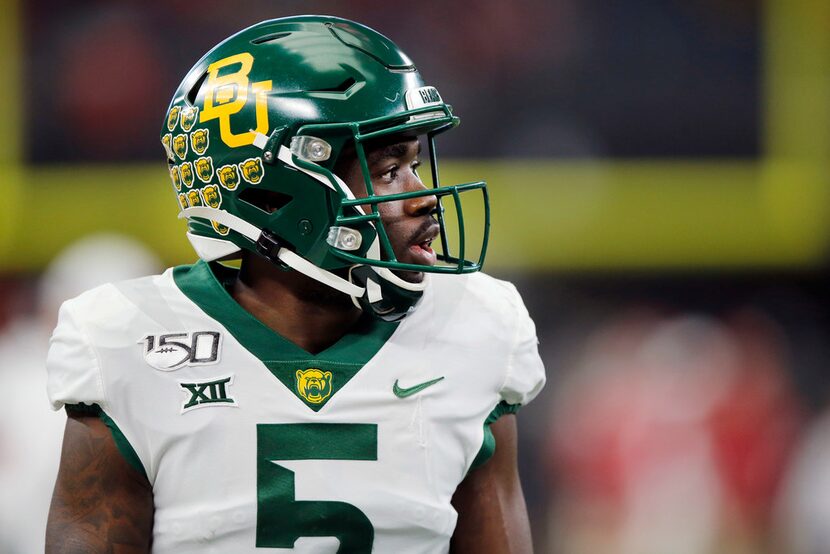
194 90
268 201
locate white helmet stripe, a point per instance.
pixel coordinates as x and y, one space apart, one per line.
285 156
225 218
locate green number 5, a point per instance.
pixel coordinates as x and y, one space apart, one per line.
281 518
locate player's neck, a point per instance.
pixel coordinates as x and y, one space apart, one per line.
307 313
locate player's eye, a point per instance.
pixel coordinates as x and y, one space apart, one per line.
389 175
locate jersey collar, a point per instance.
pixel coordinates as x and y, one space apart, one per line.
202 283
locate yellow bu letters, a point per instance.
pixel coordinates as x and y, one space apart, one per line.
227 94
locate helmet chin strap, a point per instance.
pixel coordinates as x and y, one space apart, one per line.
285 156
297 262
286 256
374 254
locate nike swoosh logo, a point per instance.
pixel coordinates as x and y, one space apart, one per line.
404 392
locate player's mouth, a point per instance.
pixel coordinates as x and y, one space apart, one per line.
420 247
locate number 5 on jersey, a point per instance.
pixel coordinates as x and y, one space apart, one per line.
281 518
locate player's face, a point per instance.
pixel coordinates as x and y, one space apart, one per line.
409 223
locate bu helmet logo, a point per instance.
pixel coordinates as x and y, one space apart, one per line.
227 94
252 170
228 176
313 385
199 140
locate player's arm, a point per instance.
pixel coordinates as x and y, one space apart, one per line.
492 515
101 503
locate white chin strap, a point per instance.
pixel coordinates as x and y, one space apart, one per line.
286 256
293 260
374 254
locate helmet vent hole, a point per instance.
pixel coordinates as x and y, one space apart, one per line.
194 90
342 87
266 200
273 37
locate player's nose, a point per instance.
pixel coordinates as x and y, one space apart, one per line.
420 205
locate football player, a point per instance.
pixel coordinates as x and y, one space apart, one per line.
348 388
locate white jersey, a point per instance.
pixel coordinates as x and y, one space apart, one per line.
252 443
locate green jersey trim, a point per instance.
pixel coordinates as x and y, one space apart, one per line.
488 444
313 378
121 442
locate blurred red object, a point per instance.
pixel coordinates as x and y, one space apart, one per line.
676 427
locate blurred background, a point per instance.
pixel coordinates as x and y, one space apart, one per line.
660 182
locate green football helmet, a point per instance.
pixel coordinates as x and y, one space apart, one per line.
252 137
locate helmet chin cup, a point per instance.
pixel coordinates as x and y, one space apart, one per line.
381 298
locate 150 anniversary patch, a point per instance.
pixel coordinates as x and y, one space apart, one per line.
171 351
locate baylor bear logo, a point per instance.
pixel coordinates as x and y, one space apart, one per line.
314 385
228 176
204 169
180 146
189 117
219 228
172 118
252 170
212 196
183 201
187 174
199 140
193 198
176 177
167 141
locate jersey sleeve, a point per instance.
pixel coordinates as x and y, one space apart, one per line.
525 370
74 375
